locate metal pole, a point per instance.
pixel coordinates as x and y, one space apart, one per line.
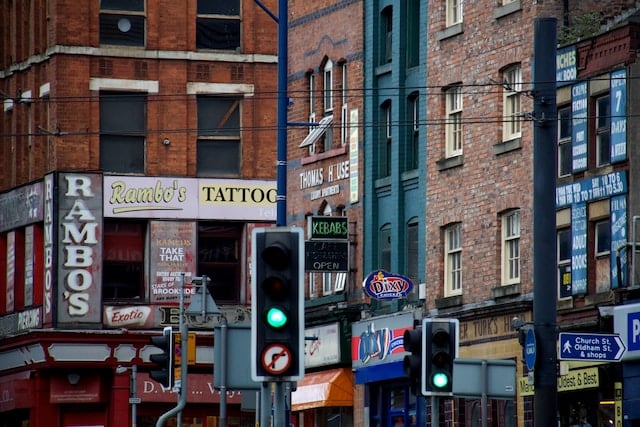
134 395
265 405
435 411
223 371
279 413
283 105
483 398
544 222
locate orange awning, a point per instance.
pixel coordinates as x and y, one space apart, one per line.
327 388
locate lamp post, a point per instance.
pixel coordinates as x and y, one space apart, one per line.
134 400
203 307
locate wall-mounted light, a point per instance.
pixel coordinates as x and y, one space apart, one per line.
166 141
73 378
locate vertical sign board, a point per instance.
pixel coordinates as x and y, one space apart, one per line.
579 102
566 70
618 103
79 221
579 254
618 221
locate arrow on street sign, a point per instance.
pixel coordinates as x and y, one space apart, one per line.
592 347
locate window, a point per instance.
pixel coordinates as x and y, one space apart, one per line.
564 141
218 24
453 260
512 78
453 133
219 258
511 247
123 123
123 259
385 138
603 124
312 108
218 136
328 87
385 247
564 263
454 12
413 33
344 116
603 238
412 250
386 21
414 132
122 22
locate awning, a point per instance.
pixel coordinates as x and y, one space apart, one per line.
317 132
320 389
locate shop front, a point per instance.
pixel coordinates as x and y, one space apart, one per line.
377 355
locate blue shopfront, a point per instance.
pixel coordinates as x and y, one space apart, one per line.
377 353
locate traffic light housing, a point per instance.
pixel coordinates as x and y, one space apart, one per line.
412 363
163 373
440 337
277 304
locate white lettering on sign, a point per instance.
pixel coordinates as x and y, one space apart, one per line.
80 234
48 245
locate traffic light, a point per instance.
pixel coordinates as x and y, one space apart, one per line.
412 363
164 360
277 304
441 348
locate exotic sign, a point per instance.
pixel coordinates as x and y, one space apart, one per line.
383 285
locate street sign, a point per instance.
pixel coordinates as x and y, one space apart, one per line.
530 349
592 347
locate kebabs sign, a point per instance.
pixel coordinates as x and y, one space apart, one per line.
383 285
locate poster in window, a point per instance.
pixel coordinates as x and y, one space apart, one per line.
172 252
618 221
579 253
579 101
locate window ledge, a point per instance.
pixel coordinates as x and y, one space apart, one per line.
324 155
507 9
447 302
602 298
506 291
506 146
383 69
450 162
329 299
382 182
449 32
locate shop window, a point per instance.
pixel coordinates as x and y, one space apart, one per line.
123 260
219 258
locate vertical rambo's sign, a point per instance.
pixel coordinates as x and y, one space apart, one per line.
79 222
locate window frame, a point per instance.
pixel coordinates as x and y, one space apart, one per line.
565 125
453 126
512 102
386 26
604 224
453 260
202 17
563 253
344 110
511 247
453 12
327 87
385 247
602 132
206 135
384 163
414 131
136 11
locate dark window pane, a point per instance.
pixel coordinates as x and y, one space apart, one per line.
219 258
217 157
223 34
132 5
123 113
564 244
565 123
219 7
122 154
124 30
218 116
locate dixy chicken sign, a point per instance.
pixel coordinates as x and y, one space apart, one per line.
383 285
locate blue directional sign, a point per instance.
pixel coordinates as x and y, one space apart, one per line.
530 349
592 347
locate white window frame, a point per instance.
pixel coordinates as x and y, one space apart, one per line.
603 126
453 12
327 87
512 103
453 130
607 225
344 112
453 260
511 247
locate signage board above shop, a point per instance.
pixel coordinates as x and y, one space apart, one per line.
328 227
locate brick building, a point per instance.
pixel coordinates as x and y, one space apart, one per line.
135 152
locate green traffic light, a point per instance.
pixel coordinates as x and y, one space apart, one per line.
440 380
276 317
